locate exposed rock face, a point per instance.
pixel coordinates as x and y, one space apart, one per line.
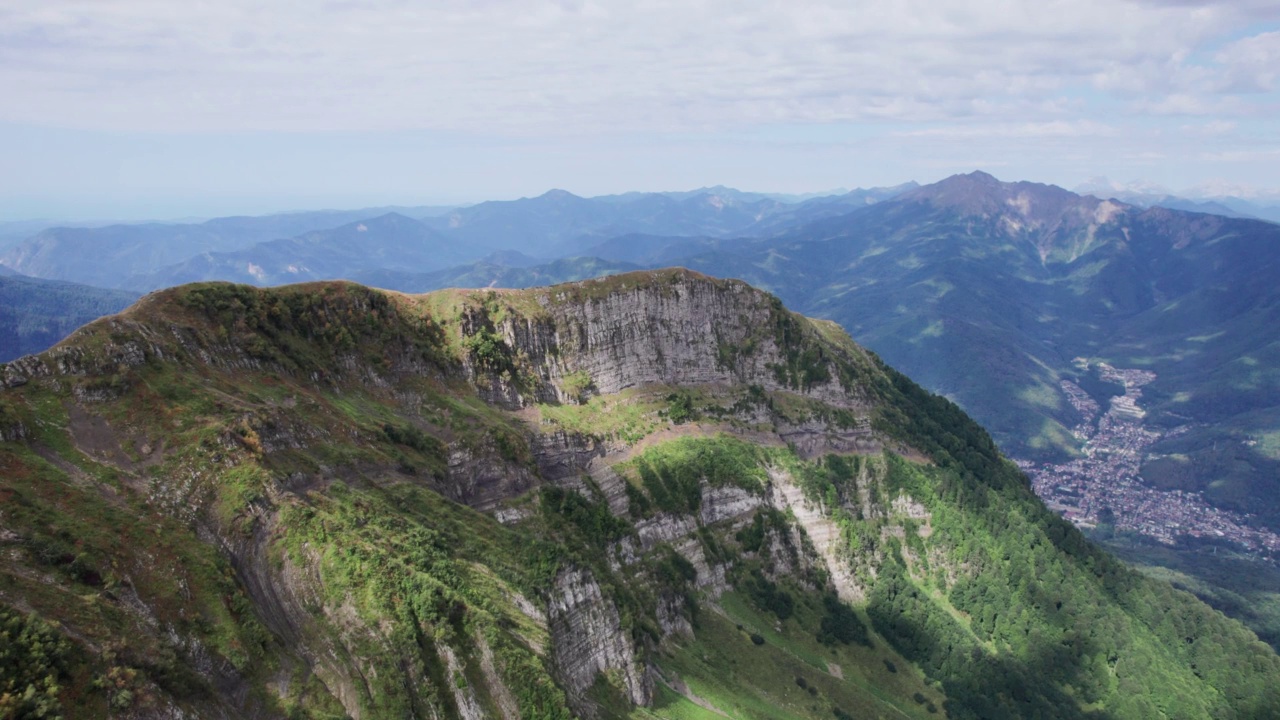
822 531
664 528
287 598
814 439
683 329
562 455
587 639
725 503
482 479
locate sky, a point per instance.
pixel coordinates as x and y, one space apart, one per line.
134 109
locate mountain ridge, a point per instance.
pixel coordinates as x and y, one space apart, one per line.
489 503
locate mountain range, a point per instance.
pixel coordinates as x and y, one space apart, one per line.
654 495
1028 305
109 256
554 225
1228 202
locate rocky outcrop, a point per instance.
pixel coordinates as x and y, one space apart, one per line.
587 639
817 438
13 431
482 478
289 598
561 455
674 328
824 533
725 503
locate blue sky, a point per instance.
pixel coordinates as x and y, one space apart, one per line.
151 108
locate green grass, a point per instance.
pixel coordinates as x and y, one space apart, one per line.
628 416
724 667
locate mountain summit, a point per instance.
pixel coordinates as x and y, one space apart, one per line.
652 495
1039 211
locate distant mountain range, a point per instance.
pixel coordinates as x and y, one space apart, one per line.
111 255
486 274
1216 201
387 241
300 246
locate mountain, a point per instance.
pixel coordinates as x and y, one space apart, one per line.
13 232
1015 299
559 223
1222 200
388 242
1172 202
486 274
36 314
1266 210
732 194
659 250
109 256
652 495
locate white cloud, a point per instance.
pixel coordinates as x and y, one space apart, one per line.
1033 130
1252 64
561 68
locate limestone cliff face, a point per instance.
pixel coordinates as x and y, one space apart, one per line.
588 639
663 328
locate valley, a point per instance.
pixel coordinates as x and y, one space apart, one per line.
1105 486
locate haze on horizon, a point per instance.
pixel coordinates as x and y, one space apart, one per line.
145 108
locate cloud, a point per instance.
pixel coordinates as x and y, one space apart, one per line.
1033 130
1252 64
538 68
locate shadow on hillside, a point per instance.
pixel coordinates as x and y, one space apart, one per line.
980 684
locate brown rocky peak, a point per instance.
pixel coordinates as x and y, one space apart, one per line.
1019 207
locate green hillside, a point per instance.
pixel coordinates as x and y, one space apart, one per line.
35 314
652 495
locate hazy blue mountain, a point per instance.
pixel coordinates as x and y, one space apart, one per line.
512 258
1259 209
1173 202
820 208
660 250
486 274
733 194
1206 199
36 314
559 223
392 241
13 232
108 256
